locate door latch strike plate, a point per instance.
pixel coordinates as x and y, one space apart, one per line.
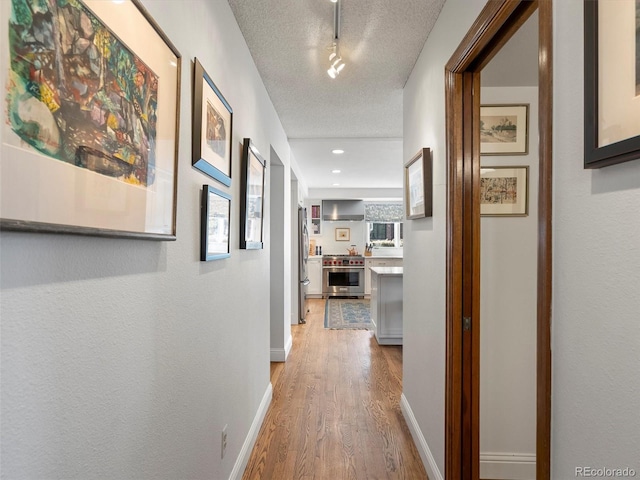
466 323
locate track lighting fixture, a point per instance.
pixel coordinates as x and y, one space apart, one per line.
335 60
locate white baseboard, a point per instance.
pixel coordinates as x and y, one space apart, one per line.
421 443
512 466
249 442
281 354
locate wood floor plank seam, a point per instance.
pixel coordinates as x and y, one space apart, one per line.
335 410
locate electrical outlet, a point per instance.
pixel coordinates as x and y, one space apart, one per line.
223 444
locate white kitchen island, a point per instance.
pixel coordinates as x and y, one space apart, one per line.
386 304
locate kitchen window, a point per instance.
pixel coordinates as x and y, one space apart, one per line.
384 234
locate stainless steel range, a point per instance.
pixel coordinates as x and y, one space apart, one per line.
342 276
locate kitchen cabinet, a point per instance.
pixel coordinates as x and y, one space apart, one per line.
386 304
374 262
316 220
314 272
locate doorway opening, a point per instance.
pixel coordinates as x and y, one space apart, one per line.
496 24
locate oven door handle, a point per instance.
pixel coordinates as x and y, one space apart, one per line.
343 267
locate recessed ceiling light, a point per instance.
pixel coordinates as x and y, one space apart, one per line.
335 171
336 184
337 151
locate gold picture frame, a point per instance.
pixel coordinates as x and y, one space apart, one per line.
504 129
343 234
504 191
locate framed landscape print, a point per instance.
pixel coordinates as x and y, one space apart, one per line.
90 120
611 82
212 128
504 191
215 214
418 185
343 234
252 200
504 129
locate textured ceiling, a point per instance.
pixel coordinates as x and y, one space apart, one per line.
380 41
361 110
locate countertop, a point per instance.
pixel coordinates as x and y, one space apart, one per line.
371 257
397 271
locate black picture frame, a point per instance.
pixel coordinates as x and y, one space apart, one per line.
215 224
418 185
614 153
252 197
212 119
116 177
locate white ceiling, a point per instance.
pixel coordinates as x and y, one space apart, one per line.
380 40
361 110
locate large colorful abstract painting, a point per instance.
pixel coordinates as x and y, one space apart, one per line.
90 119
76 93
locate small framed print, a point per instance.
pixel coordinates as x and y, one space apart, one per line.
343 234
418 185
215 218
252 200
504 129
504 191
212 128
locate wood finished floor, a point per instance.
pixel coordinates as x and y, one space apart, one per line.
335 412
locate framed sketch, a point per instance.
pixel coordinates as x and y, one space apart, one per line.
611 82
215 213
90 122
252 200
504 129
418 185
212 128
343 234
504 191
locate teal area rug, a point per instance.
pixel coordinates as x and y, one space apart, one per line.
341 313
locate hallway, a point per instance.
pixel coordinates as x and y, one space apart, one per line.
335 412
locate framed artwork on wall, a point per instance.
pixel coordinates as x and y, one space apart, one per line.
343 234
252 199
418 185
611 82
212 128
215 219
504 129
90 140
504 191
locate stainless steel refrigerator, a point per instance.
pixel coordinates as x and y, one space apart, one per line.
303 255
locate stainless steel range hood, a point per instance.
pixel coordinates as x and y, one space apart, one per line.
342 210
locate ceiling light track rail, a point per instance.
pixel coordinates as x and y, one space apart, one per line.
335 59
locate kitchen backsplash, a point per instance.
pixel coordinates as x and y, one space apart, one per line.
327 238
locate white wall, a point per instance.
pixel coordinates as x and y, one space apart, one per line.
508 299
280 260
125 359
295 251
596 332
425 239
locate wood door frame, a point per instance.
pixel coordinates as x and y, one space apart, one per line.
495 25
